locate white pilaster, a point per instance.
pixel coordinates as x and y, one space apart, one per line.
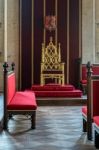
5 30
93 31
88 31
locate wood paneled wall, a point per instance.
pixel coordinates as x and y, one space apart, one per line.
32 32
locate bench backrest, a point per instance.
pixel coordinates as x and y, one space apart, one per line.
84 72
92 98
95 69
11 86
95 95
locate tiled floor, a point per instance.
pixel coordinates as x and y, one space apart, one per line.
58 128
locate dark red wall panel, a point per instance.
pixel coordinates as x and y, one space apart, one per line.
50 7
38 38
26 13
38 35
50 10
62 30
73 41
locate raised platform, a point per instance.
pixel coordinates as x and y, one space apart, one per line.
56 90
58 95
61 101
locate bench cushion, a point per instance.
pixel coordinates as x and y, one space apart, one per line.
96 120
23 101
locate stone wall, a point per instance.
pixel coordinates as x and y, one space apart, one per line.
97 31
1 40
12 35
88 31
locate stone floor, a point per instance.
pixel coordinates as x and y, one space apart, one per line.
57 128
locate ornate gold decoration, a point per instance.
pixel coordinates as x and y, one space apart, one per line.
51 65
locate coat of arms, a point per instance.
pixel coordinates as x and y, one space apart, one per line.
50 23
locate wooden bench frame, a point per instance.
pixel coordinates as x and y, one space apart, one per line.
8 113
83 81
88 119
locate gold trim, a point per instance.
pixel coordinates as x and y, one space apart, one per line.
44 9
56 22
20 52
32 42
67 42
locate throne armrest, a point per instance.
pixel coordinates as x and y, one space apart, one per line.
62 66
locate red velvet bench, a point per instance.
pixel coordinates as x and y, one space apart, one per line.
92 108
56 90
96 131
17 102
83 82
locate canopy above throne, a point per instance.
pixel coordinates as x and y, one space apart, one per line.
51 65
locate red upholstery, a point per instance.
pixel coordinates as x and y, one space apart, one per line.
56 90
95 69
23 101
11 87
96 120
84 110
19 100
84 82
74 93
96 98
52 87
84 72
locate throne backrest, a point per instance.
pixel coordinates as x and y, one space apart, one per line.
51 56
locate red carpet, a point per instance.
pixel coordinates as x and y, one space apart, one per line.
55 90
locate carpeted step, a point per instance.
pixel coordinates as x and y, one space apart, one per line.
53 87
73 93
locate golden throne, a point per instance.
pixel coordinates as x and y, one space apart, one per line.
51 65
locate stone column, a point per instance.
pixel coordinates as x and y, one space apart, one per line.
97 30
88 31
5 30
